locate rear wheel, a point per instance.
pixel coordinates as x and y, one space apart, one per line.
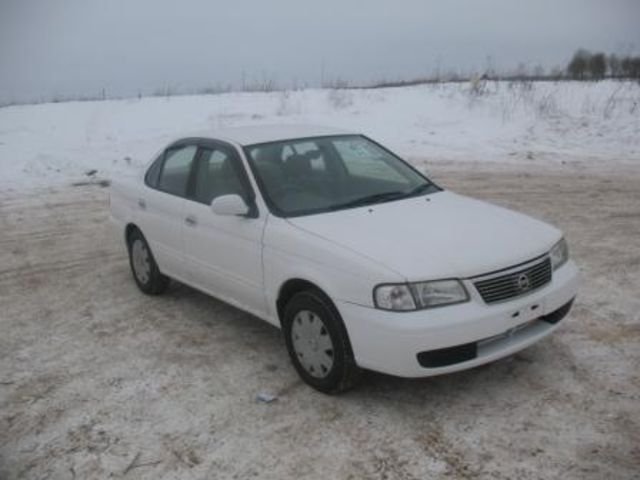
144 267
318 343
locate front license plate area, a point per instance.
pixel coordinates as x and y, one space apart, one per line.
527 313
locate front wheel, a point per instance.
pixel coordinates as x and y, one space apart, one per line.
318 343
144 267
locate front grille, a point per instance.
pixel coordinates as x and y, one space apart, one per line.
515 283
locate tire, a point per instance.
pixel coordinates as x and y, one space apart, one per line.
144 268
312 327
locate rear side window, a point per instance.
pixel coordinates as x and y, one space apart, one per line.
174 176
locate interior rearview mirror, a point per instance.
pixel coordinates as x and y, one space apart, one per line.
230 205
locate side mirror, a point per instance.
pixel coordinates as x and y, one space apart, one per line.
229 205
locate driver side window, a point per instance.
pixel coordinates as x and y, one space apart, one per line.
217 173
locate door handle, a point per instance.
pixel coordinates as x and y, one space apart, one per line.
141 203
191 221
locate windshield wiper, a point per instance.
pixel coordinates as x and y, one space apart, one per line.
369 199
423 188
384 197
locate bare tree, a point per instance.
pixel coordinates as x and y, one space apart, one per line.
636 67
597 66
630 67
578 65
615 69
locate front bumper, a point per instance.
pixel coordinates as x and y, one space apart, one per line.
393 342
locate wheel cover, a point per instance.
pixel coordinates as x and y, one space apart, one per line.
140 261
312 343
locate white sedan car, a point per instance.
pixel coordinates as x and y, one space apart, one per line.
361 260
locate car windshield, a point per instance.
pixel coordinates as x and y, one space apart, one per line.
322 174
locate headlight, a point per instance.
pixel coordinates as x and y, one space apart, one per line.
441 292
394 297
415 296
559 254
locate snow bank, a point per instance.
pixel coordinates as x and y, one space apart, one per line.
55 144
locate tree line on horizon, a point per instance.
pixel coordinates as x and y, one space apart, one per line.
585 65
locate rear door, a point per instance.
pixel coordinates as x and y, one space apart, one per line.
161 206
224 253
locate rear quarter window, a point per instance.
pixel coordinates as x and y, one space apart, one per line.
153 173
175 170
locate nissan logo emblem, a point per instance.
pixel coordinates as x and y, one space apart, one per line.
523 282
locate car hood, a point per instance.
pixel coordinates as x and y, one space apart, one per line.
441 235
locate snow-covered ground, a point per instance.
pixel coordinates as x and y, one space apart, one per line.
98 381
55 144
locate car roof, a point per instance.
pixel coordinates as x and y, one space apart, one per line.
254 134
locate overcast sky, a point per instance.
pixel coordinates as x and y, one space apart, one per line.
77 47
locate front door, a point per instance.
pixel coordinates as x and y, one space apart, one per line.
223 253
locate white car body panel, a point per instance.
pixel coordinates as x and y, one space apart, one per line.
388 341
157 214
445 235
223 255
346 253
291 253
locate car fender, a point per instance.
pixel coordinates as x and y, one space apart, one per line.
343 274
